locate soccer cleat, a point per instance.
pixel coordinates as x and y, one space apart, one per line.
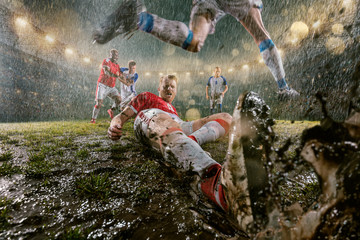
110 112
123 21
285 93
93 121
211 187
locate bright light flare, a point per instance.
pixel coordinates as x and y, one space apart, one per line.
21 22
299 30
49 39
230 70
161 74
201 73
261 60
69 51
86 59
337 29
147 74
316 24
245 67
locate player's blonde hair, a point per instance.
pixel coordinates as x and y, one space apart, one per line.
170 77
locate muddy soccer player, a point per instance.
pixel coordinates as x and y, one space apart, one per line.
131 16
158 125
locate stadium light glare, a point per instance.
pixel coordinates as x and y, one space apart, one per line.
316 24
201 73
230 70
161 74
245 67
147 74
22 22
86 59
187 73
69 51
49 39
261 60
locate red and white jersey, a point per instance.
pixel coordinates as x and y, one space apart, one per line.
148 100
114 68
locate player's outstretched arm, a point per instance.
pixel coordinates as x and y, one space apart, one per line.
126 81
115 129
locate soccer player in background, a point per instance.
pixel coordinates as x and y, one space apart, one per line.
131 15
110 71
218 87
127 90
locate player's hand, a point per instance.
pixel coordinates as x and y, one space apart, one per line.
207 97
115 132
223 94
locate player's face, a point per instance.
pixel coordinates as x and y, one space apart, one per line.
132 68
217 72
114 55
168 90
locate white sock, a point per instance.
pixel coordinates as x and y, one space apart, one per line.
174 32
210 132
95 113
272 59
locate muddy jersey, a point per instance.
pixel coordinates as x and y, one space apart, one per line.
128 90
114 68
216 85
147 100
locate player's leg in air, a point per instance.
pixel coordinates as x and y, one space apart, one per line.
131 16
254 25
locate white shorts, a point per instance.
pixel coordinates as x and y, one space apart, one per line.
217 99
125 100
142 120
104 91
239 9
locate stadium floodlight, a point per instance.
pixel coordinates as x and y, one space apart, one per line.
49 39
316 25
69 51
22 22
245 67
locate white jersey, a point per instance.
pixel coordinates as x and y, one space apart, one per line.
126 91
216 85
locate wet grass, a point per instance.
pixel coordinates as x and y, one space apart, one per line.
96 186
4 212
68 164
8 169
6 156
